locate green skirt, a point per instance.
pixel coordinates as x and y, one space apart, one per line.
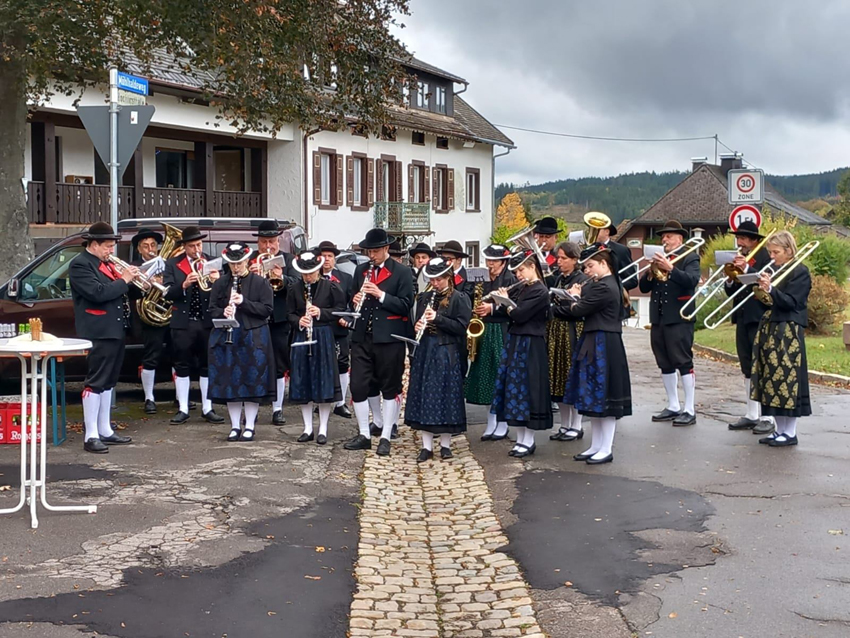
481 379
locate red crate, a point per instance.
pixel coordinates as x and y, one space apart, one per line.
11 423
2 424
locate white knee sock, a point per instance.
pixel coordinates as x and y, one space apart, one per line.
377 410
277 404
361 413
104 415
446 440
324 416
148 377
790 426
307 417
753 407
206 404
344 380
607 427
595 436
181 387
91 407
529 437
689 382
575 418
491 424
670 385
234 408
566 415
520 437
390 416
251 410
428 441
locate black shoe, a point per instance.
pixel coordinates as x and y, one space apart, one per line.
558 436
582 457
374 430
277 418
315 409
424 455
359 442
486 437
604 459
665 415
525 451
305 437
765 426
321 439
192 405
383 448
343 411
180 417
496 437
394 434
212 417
685 419
445 453
743 423
234 435
95 446
150 407
766 440
783 441
247 435
116 439
573 435
513 451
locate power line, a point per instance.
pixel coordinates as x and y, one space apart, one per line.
609 139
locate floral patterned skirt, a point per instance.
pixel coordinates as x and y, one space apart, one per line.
521 396
561 337
599 384
780 378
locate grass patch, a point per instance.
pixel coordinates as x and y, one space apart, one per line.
825 354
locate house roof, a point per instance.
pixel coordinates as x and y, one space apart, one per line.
701 198
421 65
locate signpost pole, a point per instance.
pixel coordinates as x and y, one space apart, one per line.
113 147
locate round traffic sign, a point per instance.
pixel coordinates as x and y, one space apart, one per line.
746 183
744 213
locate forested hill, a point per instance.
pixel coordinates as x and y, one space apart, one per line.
626 196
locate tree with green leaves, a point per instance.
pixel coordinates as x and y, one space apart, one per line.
263 64
841 211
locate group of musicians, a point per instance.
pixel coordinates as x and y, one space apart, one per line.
544 327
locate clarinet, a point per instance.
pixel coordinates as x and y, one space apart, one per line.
359 306
309 299
234 289
432 303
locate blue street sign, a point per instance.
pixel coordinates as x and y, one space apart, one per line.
132 83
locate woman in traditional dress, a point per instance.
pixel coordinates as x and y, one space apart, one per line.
780 378
435 394
521 396
310 305
482 372
599 385
561 335
241 359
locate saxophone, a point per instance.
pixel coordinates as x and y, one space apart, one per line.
476 327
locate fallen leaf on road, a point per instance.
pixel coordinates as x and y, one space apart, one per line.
272 613
597 519
837 532
123 625
320 549
672 614
270 537
5 488
312 577
568 584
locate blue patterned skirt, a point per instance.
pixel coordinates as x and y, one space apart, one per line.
599 383
522 395
314 378
243 370
435 391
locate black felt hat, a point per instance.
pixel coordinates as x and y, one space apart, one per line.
591 250
519 256
546 226
236 252
100 231
422 249
191 233
496 252
672 226
452 248
748 229
146 233
437 267
327 247
268 228
396 249
377 238
308 262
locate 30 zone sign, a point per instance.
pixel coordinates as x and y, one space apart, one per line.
746 186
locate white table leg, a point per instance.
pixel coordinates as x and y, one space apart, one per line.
23 499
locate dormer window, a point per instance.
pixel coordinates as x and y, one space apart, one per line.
422 95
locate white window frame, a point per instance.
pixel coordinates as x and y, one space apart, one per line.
422 95
440 97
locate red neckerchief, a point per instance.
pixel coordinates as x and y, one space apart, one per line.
183 265
550 259
751 262
331 277
383 275
458 280
108 270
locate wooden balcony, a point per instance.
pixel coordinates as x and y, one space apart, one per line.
85 204
403 218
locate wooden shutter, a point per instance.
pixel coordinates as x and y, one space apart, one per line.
426 187
349 180
410 186
435 196
338 183
379 181
399 182
317 178
450 188
370 181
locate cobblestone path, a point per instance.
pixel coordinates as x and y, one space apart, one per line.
429 564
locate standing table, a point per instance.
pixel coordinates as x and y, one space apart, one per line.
35 357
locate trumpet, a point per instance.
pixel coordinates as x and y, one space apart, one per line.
204 281
142 281
694 243
275 282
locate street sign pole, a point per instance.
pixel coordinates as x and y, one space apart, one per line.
113 147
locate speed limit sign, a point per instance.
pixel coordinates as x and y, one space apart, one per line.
744 213
746 186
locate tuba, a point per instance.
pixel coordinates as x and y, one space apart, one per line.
595 222
476 327
525 239
154 309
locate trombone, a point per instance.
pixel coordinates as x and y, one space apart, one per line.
713 285
694 243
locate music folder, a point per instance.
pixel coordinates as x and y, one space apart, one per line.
225 323
749 278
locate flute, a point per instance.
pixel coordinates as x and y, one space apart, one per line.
489 295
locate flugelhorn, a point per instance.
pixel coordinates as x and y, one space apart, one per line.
142 280
275 282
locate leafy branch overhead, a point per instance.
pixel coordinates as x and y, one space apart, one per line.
266 63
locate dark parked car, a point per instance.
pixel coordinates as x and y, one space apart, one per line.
41 288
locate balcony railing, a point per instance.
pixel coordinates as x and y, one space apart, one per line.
403 217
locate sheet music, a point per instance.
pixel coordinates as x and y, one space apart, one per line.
153 267
649 250
477 274
748 279
212 264
576 236
723 257
274 261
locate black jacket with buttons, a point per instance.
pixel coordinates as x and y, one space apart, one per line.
346 285
599 306
99 296
668 297
390 316
290 277
791 298
452 320
177 269
256 306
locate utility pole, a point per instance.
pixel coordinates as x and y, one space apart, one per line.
113 147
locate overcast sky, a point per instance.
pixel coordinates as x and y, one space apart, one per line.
771 78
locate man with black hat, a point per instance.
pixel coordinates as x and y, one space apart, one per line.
329 252
746 320
146 247
268 241
377 359
546 234
396 251
191 322
101 315
671 336
454 254
420 255
623 258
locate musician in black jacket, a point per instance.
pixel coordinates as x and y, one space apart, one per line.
452 252
623 258
747 318
385 288
241 358
599 385
780 379
313 376
268 241
191 322
546 235
435 393
672 337
481 379
329 253
420 255
521 396
101 315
